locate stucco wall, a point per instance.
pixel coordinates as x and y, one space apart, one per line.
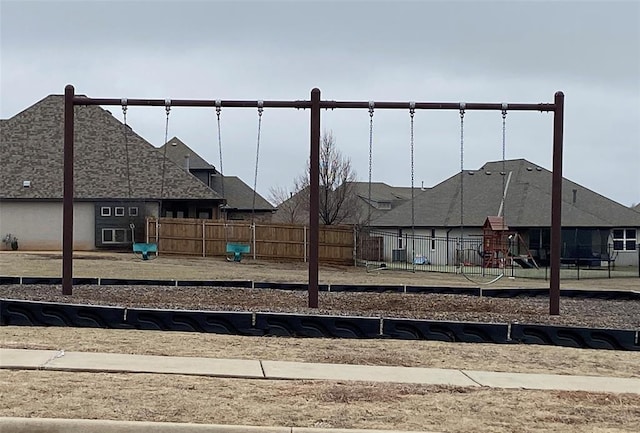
38 225
626 258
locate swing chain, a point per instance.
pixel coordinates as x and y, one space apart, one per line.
412 111
167 107
255 177
123 101
218 111
504 155
504 135
371 109
462 108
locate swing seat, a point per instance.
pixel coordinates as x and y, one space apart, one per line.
143 249
237 250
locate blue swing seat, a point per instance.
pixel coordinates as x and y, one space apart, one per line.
144 249
237 250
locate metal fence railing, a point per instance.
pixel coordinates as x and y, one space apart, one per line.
380 249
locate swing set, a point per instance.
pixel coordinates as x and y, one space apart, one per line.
315 104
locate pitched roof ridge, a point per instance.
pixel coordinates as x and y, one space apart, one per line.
32 106
175 145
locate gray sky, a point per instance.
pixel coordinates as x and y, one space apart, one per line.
472 51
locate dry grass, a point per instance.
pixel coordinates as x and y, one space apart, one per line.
307 403
313 404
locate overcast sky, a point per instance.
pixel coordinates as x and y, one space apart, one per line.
471 51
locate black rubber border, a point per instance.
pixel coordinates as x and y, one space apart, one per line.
33 313
465 332
243 284
369 288
297 325
587 338
217 322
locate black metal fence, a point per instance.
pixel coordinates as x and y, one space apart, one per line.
377 250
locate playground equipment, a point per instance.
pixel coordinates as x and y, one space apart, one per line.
146 250
232 247
315 104
237 250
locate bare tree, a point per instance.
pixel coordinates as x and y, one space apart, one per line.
338 201
337 196
293 206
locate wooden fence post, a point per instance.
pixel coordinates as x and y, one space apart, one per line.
304 236
253 234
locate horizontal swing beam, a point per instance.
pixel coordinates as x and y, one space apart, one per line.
83 100
327 105
386 105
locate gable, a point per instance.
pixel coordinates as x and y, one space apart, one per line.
178 151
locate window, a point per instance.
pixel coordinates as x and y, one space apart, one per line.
119 211
433 239
133 211
105 211
114 236
624 239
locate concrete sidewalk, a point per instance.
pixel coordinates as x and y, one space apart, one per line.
54 360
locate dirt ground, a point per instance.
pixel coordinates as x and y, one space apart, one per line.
125 265
307 403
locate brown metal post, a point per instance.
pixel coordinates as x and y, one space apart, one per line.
314 197
556 205
67 193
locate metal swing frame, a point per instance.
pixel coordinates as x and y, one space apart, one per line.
315 104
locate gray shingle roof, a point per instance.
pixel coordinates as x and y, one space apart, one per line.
382 192
528 201
240 195
177 150
31 145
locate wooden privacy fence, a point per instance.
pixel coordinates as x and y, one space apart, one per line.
206 238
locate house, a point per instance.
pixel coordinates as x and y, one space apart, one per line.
441 228
384 197
238 197
594 227
119 180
